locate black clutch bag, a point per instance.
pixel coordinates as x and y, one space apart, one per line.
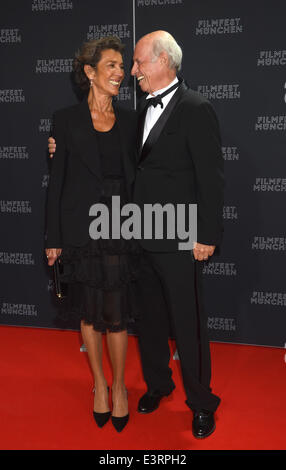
60 287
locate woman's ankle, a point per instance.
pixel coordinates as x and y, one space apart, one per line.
118 386
100 385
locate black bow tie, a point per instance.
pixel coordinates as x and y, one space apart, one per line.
154 101
158 99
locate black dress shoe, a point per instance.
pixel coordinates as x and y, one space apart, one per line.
101 418
150 402
203 423
119 423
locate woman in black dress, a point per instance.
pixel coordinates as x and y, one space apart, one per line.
93 162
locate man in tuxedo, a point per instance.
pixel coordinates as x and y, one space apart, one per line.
179 161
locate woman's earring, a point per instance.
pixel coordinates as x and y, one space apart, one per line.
90 81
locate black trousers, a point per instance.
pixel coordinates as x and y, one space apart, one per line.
170 295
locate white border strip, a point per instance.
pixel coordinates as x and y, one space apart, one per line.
134 42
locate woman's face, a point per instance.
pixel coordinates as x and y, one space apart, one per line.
109 73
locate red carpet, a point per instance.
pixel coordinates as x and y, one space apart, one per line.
46 398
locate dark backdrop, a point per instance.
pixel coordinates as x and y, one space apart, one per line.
234 53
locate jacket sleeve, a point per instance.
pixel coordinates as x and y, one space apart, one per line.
57 174
204 142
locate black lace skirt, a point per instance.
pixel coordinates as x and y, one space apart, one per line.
101 281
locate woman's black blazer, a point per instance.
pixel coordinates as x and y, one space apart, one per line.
75 178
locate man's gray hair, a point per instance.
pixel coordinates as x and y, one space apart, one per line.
171 47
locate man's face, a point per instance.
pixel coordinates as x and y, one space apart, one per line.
146 68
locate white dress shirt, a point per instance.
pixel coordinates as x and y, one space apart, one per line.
153 114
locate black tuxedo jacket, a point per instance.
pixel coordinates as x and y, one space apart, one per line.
181 162
75 178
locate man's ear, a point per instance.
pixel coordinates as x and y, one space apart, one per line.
164 58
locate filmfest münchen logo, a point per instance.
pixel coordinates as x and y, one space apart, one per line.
121 30
158 3
8 308
230 153
10 36
271 123
124 94
269 298
15 207
12 96
220 92
51 5
271 58
17 258
45 125
270 184
220 269
209 27
54 66
50 285
269 243
14 153
222 324
230 213
45 181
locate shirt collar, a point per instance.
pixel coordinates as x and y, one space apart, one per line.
158 92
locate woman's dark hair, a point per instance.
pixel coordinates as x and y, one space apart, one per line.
90 54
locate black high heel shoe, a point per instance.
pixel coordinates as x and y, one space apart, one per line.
120 422
101 418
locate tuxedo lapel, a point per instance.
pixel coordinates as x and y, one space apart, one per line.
158 126
86 140
140 132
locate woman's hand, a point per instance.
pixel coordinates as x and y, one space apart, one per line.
52 146
53 254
